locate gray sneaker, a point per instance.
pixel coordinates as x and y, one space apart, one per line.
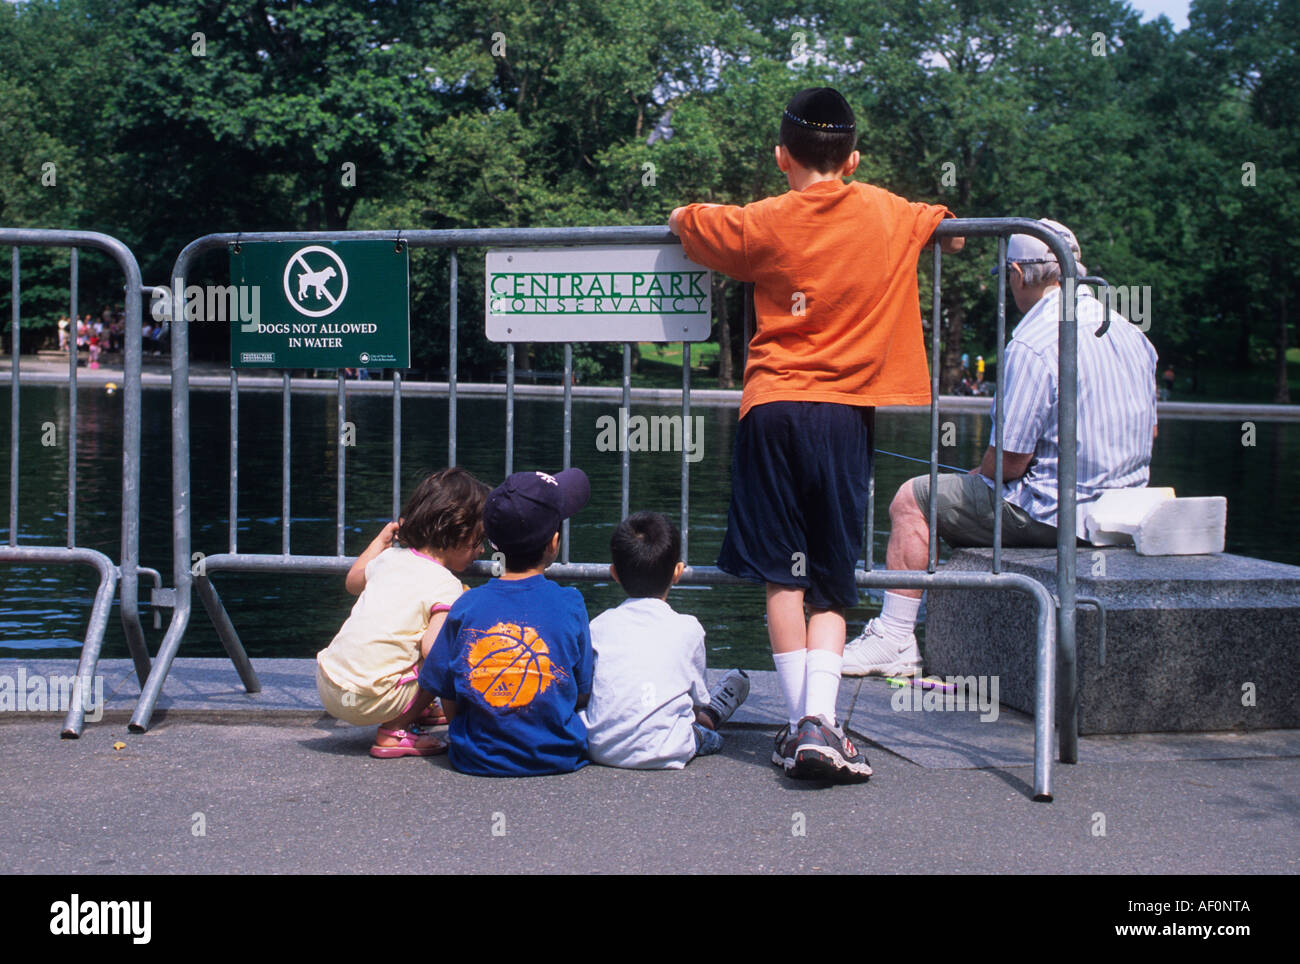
726 697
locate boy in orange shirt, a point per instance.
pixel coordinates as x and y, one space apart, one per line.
838 332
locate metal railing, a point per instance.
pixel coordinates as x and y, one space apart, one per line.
126 573
1054 635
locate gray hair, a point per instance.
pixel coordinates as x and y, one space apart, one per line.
1037 273
1046 272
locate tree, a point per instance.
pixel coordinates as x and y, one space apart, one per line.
56 164
1249 48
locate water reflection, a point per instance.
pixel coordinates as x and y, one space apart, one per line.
46 609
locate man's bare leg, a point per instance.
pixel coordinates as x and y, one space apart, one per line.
887 643
909 536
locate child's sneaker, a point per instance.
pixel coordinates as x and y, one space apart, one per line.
875 654
824 752
783 752
726 697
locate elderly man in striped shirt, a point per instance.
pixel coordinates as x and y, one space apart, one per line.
1117 421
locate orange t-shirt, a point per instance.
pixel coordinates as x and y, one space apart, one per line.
846 255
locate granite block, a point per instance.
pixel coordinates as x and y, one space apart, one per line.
1193 643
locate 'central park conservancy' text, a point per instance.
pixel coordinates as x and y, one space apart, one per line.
598 292
603 293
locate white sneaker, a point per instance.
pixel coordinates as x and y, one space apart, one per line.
875 654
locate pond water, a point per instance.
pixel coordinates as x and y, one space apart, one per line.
44 611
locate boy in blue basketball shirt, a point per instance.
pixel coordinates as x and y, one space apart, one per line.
512 663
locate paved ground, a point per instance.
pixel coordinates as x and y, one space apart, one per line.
275 787
307 798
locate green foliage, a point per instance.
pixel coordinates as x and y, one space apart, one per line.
538 112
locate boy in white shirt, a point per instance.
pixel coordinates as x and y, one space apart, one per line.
650 707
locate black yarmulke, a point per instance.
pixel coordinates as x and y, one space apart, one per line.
821 109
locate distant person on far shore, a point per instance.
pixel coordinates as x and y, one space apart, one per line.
979 370
650 707
367 675
1167 376
64 324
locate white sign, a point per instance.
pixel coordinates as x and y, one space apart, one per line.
614 293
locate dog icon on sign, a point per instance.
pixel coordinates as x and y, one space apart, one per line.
321 281
317 280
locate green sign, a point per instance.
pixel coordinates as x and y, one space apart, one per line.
338 304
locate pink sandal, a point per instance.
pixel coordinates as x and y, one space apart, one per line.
432 715
409 744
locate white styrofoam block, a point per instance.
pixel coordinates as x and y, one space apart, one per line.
1113 518
1183 527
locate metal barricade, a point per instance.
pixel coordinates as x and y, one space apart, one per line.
128 570
1053 634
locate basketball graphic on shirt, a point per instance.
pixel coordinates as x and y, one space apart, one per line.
510 665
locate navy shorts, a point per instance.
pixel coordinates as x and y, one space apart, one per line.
799 478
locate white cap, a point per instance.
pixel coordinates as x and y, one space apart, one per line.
1027 249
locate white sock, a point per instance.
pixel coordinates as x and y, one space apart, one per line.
791 673
823 683
898 618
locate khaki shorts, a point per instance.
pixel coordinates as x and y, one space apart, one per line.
362 710
965 515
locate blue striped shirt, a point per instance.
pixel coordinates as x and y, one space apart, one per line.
1116 405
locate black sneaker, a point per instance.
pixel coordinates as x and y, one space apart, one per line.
824 752
783 752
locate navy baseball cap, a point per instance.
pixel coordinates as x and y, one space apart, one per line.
525 511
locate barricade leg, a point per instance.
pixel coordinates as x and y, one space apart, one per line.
75 720
1045 670
226 630
152 688
1044 694
135 643
1068 701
